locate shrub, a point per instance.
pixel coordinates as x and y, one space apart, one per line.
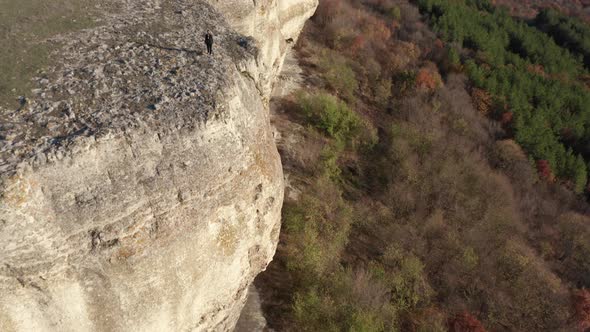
314 312
339 75
395 13
453 56
405 81
331 115
470 258
346 301
512 263
383 92
329 164
578 173
319 225
366 321
409 285
301 222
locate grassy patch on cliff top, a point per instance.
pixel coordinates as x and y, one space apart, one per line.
24 27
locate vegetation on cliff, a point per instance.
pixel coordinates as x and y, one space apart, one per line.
416 212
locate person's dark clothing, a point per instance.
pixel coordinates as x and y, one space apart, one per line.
209 43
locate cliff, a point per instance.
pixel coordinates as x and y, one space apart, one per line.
141 189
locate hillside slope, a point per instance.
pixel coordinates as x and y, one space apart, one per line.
407 207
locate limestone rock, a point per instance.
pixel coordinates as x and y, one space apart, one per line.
141 190
273 24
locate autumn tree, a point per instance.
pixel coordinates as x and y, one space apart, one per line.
582 307
428 78
482 100
544 170
465 322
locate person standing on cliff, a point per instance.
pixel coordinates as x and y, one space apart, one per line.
209 42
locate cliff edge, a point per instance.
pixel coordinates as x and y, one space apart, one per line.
141 189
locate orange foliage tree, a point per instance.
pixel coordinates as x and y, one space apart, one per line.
507 118
582 307
377 31
545 171
427 79
465 322
482 100
357 44
439 43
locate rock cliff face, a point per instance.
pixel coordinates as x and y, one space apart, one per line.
274 24
141 189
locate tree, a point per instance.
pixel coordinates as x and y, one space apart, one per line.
465 322
453 56
580 177
582 307
482 100
327 10
427 79
544 170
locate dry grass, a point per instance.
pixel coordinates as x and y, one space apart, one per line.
24 27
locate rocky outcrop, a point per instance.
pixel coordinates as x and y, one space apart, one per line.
274 24
141 189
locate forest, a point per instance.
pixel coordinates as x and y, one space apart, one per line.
567 31
435 184
535 85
